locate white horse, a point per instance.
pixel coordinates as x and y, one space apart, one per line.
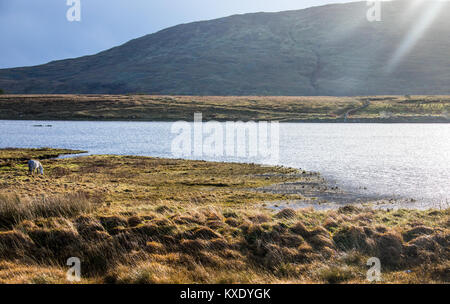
34 165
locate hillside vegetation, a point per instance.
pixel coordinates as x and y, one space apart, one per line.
172 108
146 220
328 50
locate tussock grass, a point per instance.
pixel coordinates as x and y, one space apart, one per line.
336 274
157 250
133 220
14 210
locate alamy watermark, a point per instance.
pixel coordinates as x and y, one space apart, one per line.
74 12
374 272
374 11
249 140
74 272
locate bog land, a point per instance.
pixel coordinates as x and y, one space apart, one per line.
388 109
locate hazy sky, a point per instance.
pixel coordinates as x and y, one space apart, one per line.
36 31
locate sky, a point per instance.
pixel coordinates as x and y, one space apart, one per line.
37 31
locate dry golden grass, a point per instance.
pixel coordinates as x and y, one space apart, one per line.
147 220
14 210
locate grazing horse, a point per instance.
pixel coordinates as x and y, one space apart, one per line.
34 165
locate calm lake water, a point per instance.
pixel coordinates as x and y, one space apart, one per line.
383 160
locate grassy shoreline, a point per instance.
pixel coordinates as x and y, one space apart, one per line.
148 220
10 156
363 109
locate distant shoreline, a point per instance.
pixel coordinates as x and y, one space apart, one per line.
316 121
289 109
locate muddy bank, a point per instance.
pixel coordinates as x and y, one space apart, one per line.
321 194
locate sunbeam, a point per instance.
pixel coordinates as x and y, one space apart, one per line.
415 33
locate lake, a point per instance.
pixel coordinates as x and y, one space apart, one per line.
380 160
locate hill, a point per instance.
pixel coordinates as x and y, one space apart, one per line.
326 50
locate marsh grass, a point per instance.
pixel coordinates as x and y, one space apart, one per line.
14 210
146 220
336 274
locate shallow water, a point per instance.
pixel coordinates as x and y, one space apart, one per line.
383 160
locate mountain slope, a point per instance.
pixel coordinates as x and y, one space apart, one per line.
327 50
